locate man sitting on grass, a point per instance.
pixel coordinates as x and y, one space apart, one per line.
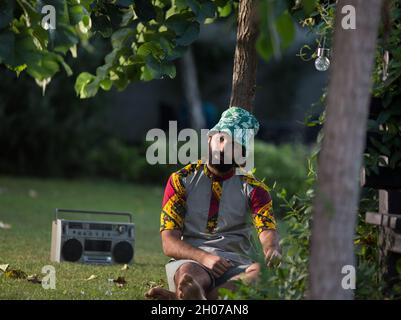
204 220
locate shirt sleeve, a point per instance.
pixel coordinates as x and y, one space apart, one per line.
261 205
174 204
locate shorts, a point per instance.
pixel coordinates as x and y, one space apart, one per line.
173 265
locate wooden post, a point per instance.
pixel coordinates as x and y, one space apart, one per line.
390 251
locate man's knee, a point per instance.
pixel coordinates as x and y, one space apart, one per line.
252 273
254 268
194 270
188 267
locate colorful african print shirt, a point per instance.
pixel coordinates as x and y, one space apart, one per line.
214 213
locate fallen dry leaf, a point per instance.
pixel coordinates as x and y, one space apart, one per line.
34 278
125 267
15 274
92 277
33 193
4 225
152 284
120 282
4 267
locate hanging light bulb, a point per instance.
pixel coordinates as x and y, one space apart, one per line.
322 62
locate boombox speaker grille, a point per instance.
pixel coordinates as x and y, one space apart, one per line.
123 252
72 250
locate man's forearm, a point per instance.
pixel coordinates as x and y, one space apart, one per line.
178 249
269 239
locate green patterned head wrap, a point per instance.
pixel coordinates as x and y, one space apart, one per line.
239 123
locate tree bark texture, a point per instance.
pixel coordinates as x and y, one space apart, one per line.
245 57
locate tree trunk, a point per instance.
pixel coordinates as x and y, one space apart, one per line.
245 58
340 159
192 92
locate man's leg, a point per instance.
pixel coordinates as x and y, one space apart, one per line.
192 282
159 293
250 276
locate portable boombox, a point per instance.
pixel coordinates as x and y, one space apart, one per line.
99 242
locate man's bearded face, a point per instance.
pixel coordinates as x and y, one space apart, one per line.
223 152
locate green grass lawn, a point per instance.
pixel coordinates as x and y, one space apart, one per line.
28 205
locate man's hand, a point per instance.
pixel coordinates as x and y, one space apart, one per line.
271 248
174 247
216 264
272 256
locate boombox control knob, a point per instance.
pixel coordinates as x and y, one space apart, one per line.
121 229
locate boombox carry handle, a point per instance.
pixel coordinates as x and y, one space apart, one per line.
127 214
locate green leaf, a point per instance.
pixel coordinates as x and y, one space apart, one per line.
66 67
159 69
383 117
177 52
114 15
221 3
171 51
186 31
34 15
190 35
83 87
144 10
133 72
102 71
119 79
42 65
101 24
124 3
382 148
309 6
77 14
286 29
106 84
276 34
264 46
179 23
63 38
150 48
120 38
62 12
202 10
225 11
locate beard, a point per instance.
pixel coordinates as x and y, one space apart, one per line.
220 166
